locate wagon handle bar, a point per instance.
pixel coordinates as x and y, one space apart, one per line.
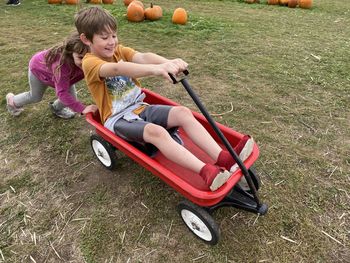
224 140
173 78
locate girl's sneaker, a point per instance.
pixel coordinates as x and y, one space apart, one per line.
64 113
12 109
214 176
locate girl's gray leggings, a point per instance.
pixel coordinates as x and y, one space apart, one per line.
36 92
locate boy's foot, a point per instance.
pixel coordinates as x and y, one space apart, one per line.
244 149
13 2
12 109
243 152
214 176
64 113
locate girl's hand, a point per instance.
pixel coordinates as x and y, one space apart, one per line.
90 108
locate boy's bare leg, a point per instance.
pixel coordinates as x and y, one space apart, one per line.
173 151
183 117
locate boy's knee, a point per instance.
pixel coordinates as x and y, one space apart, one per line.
182 112
153 131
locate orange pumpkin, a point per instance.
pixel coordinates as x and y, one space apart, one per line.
108 1
272 2
72 2
292 3
305 4
54 1
135 11
283 2
179 16
127 2
95 1
154 12
138 3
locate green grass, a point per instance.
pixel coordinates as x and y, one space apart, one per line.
286 73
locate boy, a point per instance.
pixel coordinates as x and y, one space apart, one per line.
111 70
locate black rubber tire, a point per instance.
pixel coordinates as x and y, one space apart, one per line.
210 233
108 157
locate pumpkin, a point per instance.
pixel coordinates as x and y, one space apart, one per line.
135 11
179 16
127 2
272 2
305 3
292 3
54 1
154 12
72 2
283 2
95 1
107 1
138 3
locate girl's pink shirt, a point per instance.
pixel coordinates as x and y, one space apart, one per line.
62 81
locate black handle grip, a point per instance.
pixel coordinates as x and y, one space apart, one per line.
185 72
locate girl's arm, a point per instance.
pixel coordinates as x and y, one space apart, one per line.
62 88
68 100
62 93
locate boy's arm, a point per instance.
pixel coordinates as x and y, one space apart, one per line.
152 58
136 70
148 58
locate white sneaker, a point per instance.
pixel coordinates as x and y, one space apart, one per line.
219 180
244 154
12 109
64 113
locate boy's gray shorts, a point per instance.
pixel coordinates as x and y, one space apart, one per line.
133 130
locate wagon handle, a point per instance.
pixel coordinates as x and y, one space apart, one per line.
224 140
173 78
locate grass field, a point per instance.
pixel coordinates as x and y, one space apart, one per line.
286 73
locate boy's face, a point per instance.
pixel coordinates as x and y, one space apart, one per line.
103 44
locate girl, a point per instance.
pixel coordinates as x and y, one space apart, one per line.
58 67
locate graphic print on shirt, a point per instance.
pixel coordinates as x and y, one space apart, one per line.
123 92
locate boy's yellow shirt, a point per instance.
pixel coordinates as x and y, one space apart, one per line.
91 67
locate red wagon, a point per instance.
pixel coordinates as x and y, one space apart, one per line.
201 202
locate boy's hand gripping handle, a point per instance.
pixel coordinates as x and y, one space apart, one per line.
173 78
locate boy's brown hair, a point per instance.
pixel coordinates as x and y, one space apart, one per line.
94 20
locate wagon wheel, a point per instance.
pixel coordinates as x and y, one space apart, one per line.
199 222
104 151
255 178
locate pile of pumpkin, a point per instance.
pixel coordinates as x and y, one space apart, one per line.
136 12
290 3
75 2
